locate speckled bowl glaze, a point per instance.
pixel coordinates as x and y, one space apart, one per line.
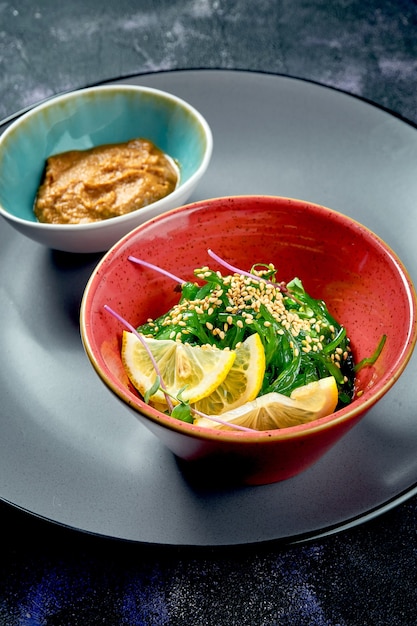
363 282
79 120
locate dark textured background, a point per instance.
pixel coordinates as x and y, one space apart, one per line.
367 48
364 576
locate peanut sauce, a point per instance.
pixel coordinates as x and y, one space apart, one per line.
82 186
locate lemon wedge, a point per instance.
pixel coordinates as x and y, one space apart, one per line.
198 370
274 410
242 383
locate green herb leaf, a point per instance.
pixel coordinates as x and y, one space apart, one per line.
152 391
183 413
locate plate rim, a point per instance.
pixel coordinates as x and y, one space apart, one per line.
105 81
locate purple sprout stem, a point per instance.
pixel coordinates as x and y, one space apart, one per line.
156 268
143 342
236 270
219 420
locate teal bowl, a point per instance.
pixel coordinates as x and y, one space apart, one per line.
86 118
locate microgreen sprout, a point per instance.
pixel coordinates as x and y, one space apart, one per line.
182 411
139 336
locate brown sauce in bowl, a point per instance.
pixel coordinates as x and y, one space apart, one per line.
82 186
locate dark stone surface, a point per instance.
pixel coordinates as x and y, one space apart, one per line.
364 576
369 49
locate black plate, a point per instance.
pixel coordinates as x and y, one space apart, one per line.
68 450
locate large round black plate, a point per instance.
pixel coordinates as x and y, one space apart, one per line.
70 453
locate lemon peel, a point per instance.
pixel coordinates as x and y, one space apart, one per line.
273 410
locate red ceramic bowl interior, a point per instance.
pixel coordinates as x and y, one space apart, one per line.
340 261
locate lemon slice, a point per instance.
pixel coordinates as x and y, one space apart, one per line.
200 369
242 383
274 410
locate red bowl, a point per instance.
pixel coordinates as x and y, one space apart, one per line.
360 278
